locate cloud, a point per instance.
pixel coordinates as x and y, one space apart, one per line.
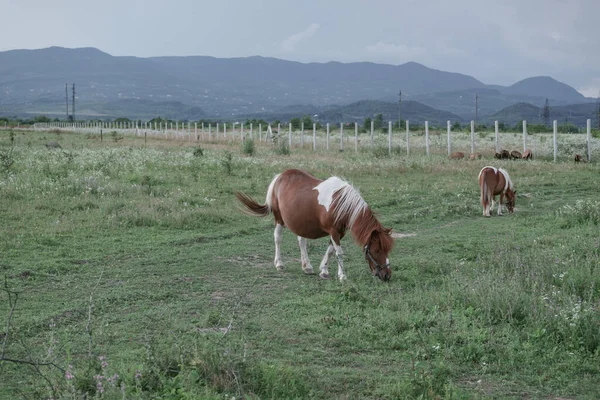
290 43
591 89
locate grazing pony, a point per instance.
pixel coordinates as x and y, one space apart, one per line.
527 155
579 158
504 155
492 182
457 155
515 154
312 208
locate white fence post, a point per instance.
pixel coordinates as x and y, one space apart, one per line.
260 132
314 136
449 140
278 133
355 136
390 137
472 137
210 131
328 136
407 138
225 130
251 131
196 130
496 132
427 138
290 136
524 135
341 136
372 132
555 129
302 136
589 140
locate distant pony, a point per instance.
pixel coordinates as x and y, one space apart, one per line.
498 156
504 155
312 209
457 155
492 182
527 155
515 154
579 158
475 156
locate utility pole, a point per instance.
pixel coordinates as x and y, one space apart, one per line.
546 113
598 109
73 102
67 98
399 113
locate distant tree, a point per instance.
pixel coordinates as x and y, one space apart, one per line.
456 126
378 121
307 121
367 125
41 118
122 119
295 123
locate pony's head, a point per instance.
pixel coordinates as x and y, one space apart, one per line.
511 196
376 253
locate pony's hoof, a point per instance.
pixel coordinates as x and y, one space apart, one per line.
343 278
279 267
308 271
323 276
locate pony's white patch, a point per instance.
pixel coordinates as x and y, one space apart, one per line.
326 190
269 199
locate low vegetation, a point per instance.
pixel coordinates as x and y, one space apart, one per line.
129 272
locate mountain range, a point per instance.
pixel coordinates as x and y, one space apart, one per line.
32 82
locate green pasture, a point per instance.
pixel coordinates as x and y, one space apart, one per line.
138 277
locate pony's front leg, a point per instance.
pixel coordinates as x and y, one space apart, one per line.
324 270
306 267
339 254
278 237
500 203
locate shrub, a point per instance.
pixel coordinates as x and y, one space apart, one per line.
248 147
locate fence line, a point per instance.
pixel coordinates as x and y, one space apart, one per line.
296 138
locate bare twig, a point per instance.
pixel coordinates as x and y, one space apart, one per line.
13 305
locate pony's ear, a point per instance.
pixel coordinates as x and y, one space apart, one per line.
387 231
515 192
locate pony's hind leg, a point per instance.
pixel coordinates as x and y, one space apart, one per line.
278 237
306 267
323 267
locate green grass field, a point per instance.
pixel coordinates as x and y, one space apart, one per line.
138 277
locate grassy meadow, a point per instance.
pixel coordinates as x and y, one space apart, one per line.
138 277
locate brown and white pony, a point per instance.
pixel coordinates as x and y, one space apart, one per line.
492 182
313 208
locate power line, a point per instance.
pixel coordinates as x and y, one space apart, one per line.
73 102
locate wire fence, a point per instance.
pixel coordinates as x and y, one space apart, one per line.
352 137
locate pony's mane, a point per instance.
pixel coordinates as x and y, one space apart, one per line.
509 183
360 219
349 206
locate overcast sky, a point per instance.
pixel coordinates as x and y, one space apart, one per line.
496 41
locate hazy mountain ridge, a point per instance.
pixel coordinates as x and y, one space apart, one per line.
234 87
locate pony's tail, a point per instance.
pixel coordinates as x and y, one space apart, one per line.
251 207
486 193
